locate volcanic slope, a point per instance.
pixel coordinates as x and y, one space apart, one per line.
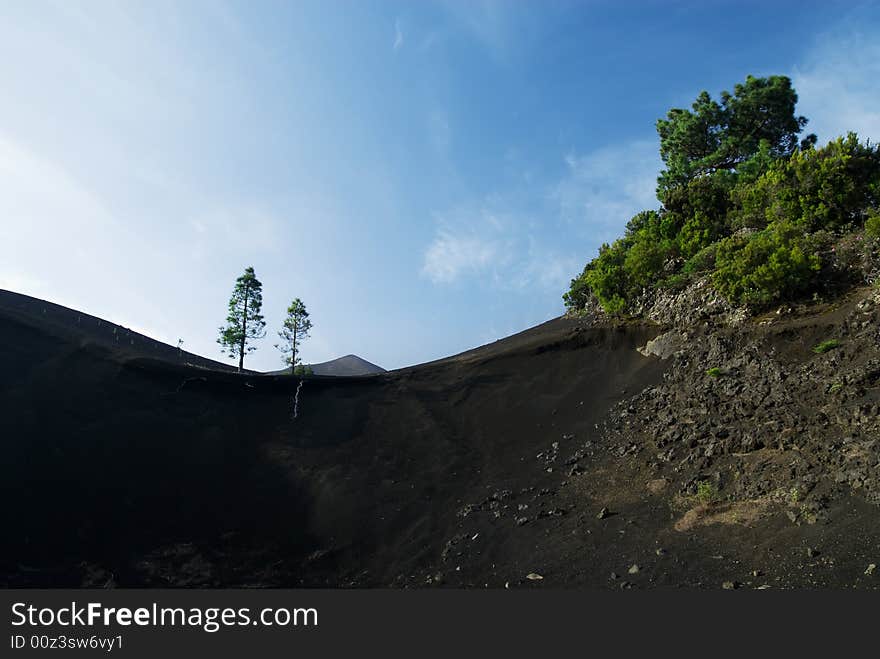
489 468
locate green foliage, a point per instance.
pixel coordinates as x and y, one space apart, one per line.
872 224
674 283
707 492
605 277
825 346
628 265
714 372
835 387
700 207
303 370
644 260
702 261
826 188
244 322
744 203
578 294
294 331
777 263
716 136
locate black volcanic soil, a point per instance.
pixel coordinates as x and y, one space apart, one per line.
490 468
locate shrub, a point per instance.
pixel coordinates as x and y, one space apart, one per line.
825 346
713 372
700 209
799 201
578 295
606 277
825 188
776 263
707 492
674 283
702 261
872 223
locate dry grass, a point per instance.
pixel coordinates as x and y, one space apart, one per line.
745 513
656 486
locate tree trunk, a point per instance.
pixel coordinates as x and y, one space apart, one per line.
243 330
293 354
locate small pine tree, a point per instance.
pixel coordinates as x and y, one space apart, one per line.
244 322
294 331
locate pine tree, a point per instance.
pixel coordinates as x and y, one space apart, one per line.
244 322
294 331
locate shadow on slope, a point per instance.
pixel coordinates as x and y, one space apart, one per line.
123 469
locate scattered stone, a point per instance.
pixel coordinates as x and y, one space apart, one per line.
660 551
729 585
657 485
534 576
603 513
870 569
522 521
812 553
634 569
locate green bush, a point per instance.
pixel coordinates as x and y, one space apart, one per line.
579 293
825 346
674 283
724 173
872 223
714 372
700 209
702 261
774 264
827 188
606 277
707 492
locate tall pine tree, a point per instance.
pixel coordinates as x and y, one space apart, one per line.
244 322
293 332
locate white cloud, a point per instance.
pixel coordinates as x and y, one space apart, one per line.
605 188
548 269
398 36
498 242
505 250
457 252
244 230
837 83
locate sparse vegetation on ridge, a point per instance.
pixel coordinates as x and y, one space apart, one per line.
744 204
244 323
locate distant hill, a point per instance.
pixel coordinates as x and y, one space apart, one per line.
348 365
343 366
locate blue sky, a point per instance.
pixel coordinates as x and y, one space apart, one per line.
426 176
